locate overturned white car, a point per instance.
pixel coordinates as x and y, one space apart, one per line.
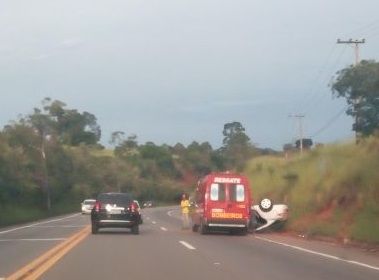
267 214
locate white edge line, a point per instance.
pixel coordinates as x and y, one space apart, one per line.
36 224
320 254
185 244
163 228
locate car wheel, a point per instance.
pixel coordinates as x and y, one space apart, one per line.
135 229
203 228
94 229
265 205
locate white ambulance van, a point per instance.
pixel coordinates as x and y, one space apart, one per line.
222 203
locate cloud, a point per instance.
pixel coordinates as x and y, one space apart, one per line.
71 42
186 66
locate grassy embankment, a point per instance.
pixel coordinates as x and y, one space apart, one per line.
331 191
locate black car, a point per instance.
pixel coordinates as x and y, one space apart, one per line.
115 210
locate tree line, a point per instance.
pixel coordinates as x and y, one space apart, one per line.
52 158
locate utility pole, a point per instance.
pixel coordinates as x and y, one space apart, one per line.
357 102
301 136
356 43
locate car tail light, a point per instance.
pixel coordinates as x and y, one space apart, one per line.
97 206
133 207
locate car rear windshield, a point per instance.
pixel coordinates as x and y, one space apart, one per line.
89 202
115 198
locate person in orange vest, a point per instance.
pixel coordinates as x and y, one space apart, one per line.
185 207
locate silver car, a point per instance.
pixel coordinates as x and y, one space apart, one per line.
87 205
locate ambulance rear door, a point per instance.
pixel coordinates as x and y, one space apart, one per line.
229 199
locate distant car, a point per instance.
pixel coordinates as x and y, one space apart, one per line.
267 215
115 210
87 205
139 211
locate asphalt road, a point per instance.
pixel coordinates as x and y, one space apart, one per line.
163 251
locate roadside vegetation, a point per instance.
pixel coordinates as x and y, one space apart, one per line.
331 190
52 159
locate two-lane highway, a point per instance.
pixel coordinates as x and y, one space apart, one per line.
163 251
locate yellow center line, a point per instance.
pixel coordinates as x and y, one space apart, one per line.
40 265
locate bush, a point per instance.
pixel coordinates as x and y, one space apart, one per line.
366 226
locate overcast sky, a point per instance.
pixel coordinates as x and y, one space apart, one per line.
174 71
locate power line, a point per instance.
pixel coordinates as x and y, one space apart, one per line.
330 122
316 97
356 43
327 71
369 30
313 97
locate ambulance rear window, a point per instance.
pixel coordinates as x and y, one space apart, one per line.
217 192
237 192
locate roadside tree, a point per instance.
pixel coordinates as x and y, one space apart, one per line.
236 146
359 84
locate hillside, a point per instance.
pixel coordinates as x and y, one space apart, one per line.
331 190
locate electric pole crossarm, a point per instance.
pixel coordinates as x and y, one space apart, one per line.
356 43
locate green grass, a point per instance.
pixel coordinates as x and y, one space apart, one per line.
332 190
366 226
